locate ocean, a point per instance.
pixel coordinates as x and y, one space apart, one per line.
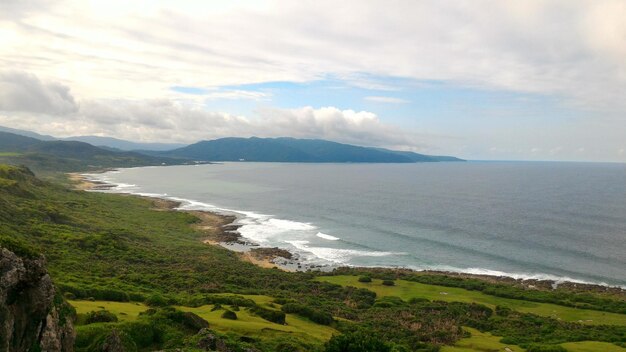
544 220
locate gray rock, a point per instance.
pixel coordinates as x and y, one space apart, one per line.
113 343
28 314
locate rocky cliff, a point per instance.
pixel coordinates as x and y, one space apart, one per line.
33 316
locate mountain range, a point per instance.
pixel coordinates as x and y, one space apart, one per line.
106 142
294 150
95 148
61 155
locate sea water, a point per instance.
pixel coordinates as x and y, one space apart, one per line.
560 221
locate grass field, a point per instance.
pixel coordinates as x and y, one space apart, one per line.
125 311
484 342
246 323
592 346
253 326
407 290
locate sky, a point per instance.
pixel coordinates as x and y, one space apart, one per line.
481 80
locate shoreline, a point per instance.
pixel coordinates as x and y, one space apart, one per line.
226 235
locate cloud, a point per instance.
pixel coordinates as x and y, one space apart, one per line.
386 100
119 59
168 120
25 92
348 126
49 107
574 49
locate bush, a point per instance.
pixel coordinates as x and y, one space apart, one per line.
418 300
274 316
229 314
546 348
156 301
315 315
389 283
356 342
101 316
365 278
503 311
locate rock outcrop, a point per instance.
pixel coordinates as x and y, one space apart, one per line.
33 317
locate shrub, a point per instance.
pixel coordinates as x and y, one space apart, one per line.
274 316
389 283
156 301
315 315
503 311
101 316
356 342
365 278
546 348
418 300
229 314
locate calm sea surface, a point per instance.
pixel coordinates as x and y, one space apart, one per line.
522 219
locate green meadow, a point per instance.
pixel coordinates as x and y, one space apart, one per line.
246 324
407 290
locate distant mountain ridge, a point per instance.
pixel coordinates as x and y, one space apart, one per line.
294 150
121 144
107 142
69 155
282 149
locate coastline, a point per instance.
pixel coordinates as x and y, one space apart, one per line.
222 230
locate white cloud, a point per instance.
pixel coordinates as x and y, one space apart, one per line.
386 100
167 120
21 92
120 58
570 48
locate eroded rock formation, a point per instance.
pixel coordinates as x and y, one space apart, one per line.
33 317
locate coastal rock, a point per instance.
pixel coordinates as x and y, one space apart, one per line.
210 342
30 316
207 341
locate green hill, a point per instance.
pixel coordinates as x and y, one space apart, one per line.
55 156
294 150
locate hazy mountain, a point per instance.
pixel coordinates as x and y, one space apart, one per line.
69 155
30 134
416 157
108 142
121 144
234 149
294 150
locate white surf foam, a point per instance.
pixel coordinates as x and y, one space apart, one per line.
327 237
516 275
263 228
338 255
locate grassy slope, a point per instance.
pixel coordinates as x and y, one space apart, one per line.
250 325
246 323
125 311
486 342
592 346
407 290
479 341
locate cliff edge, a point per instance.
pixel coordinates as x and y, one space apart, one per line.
33 316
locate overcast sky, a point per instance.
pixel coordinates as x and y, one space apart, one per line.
522 80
